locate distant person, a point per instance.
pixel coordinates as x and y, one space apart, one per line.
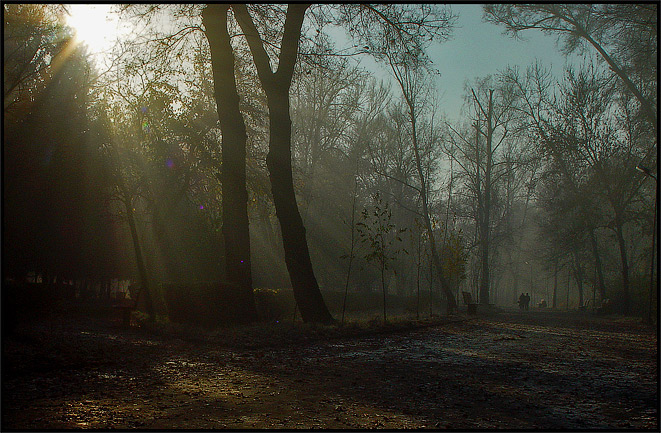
542 304
526 302
522 301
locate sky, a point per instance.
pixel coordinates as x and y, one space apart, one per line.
477 49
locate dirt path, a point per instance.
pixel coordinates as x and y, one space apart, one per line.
518 371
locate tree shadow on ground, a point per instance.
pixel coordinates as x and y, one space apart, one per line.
473 374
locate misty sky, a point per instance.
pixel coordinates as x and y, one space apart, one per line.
477 49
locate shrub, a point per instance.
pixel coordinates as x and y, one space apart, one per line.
206 304
274 305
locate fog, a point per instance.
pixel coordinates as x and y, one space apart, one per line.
330 216
118 168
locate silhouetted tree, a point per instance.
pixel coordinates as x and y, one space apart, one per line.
233 169
482 161
276 85
624 36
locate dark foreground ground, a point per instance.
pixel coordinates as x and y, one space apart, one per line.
534 370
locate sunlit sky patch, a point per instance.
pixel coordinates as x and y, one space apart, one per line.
96 26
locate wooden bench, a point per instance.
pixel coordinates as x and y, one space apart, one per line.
468 300
126 306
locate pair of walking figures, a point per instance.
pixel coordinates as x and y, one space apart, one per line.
524 301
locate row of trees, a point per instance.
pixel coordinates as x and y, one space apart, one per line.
593 129
225 146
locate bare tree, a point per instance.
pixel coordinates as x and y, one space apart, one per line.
537 103
579 131
482 162
624 36
412 83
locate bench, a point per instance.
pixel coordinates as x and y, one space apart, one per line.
126 306
468 300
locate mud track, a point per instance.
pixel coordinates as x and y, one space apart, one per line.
510 370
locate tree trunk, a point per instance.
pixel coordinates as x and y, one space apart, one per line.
172 271
297 256
568 285
436 260
235 228
486 209
555 282
417 277
142 269
383 289
276 86
578 274
452 304
597 264
353 243
625 263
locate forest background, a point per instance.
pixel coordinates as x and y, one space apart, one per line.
119 167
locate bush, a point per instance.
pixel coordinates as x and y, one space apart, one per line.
206 304
274 305
211 304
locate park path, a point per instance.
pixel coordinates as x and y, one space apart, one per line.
531 370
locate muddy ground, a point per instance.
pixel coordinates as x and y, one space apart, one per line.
530 370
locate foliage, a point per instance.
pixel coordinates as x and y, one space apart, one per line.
33 38
381 238
624 36
379 234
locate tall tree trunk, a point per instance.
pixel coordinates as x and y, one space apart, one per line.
624 262
578 274
445 286
417 277
172 271
383 289
568 285
142 269
597 263
555 282
406 86
235 228
479 207
486 209
276 86
431 290
353 241
297 256
650 305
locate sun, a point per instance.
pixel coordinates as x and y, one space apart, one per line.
94 26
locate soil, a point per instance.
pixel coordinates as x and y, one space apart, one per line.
513 370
